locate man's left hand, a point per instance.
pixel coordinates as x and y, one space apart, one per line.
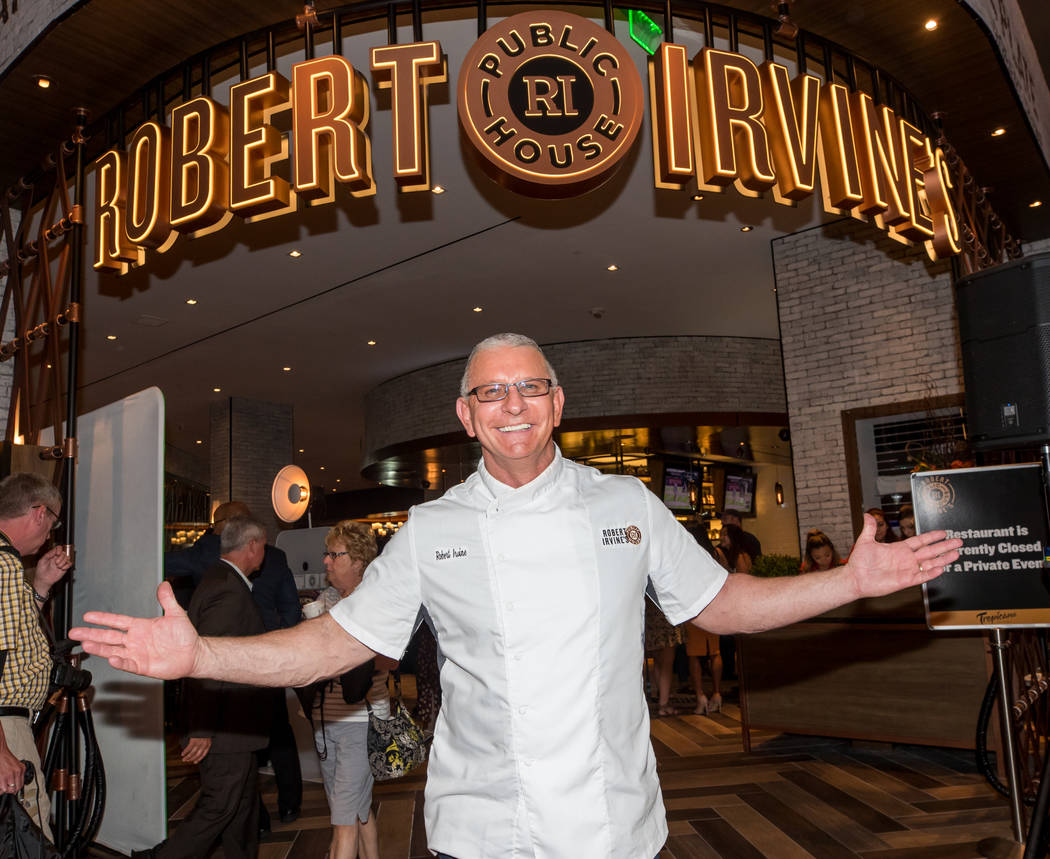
50 568
883 568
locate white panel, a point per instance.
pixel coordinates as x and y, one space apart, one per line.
119 519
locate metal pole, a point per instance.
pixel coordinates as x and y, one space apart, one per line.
1009 753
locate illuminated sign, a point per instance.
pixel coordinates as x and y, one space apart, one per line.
552 103
721 120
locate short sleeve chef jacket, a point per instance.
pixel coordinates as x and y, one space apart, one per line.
537 598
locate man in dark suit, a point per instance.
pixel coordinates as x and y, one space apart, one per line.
274 591
227 722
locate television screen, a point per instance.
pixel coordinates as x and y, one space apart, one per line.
740 493
678 482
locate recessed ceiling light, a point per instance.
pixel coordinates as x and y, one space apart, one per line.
371 342
698 196
612 267
43 81
295 254
339 480
111 336
999 132
747 228
931 24
438 189
191 301
199 441
1035 204
287 369
478 308
322 468
49 366
216 389
300 450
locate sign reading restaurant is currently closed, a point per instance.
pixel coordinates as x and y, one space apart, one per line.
552 104
999 513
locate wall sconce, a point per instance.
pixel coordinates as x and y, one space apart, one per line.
778 490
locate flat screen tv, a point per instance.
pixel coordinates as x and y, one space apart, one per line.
740 494
678 483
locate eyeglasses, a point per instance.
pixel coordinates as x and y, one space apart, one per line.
57 523
333 555
493 392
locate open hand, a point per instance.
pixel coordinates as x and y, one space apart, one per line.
882 568
165 647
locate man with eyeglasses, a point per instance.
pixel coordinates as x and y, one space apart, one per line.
29 511
532 574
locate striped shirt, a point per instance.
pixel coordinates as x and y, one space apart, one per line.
27 669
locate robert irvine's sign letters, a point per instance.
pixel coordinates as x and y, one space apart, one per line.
999 514
552 103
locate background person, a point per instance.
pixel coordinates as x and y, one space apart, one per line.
29 512
227 722
275 593
906 521
883 532
820 552
341 729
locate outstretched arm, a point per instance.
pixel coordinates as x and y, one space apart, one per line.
750 604
168 647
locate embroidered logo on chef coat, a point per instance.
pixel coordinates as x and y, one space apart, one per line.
631 535
449 554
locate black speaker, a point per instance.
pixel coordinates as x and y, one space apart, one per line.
1004 326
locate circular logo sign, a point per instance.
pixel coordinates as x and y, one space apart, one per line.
551 101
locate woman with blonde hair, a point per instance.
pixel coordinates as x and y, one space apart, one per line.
340 725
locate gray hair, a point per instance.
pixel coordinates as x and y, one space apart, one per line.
499 341
21 491
239 531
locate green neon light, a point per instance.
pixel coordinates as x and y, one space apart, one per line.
645 31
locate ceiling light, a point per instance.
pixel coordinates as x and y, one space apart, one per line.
111 336
438 189
698 196
49 366
478 308
295 254
322 468
371 342
931 24
1035 204
216 390
300 450
199 441
747 228
612 267
339 480
43 81
999 132
191 301
287 369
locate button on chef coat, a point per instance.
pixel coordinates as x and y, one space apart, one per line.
536 595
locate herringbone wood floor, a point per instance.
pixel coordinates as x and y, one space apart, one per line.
791 798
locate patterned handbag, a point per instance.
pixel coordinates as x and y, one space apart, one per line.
395 745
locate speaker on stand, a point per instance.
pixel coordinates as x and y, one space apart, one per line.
1004 330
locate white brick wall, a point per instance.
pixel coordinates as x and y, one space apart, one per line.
864 321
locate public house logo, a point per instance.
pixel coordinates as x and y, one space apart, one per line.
937 492
551 101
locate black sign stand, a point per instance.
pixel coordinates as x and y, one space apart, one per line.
1001 514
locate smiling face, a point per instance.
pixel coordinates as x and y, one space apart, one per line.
515 432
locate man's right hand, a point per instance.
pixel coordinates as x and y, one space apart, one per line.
164 647
196 749
12 772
